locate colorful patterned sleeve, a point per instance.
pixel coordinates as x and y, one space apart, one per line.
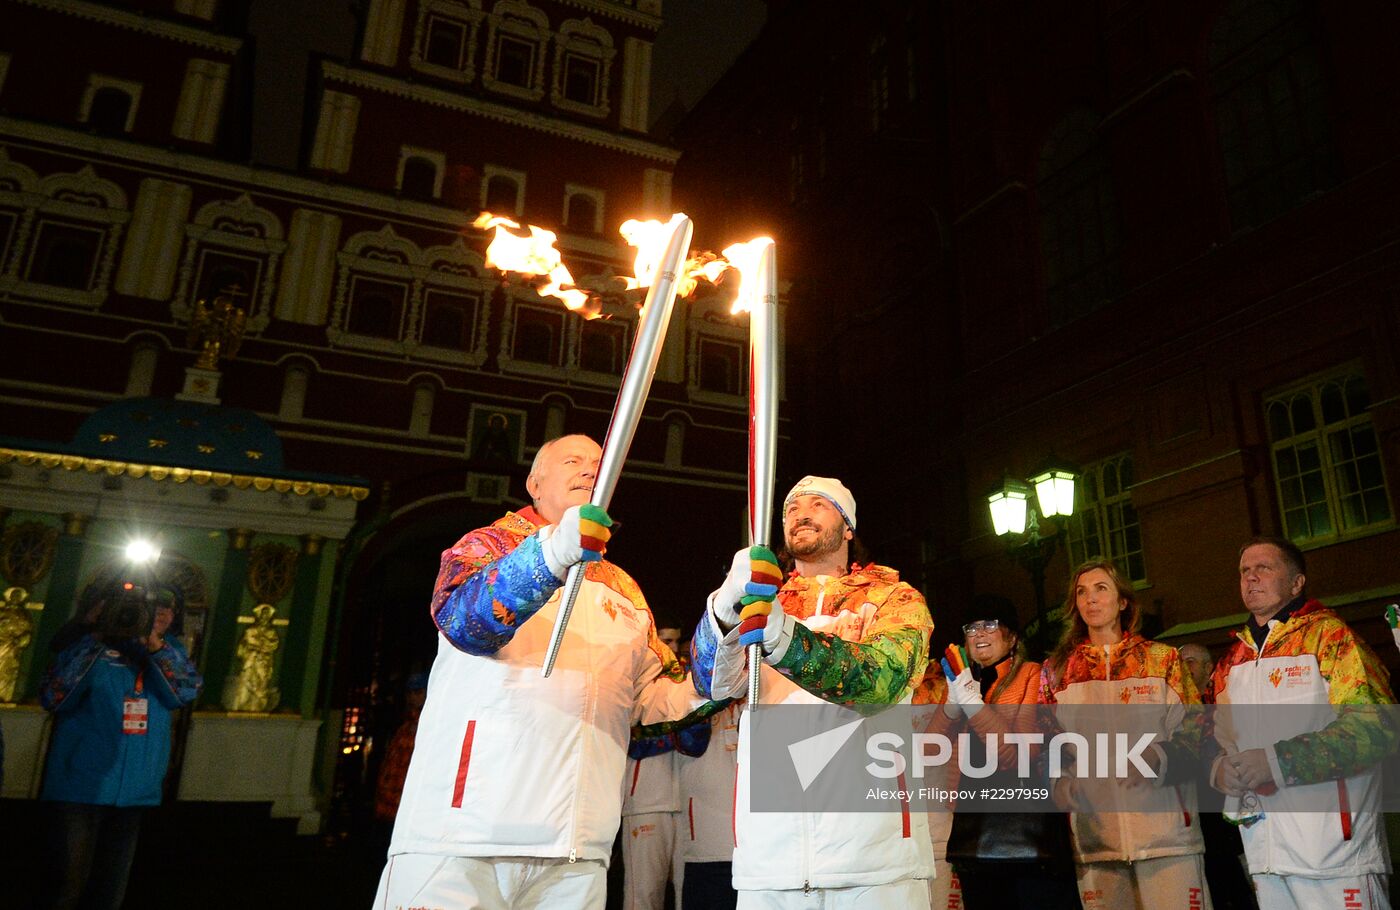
878 669
489 584
67 675
704 646
1183 746
1362 735
180 682
692 740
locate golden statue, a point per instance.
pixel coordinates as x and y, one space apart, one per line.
216 329
251 688
16 631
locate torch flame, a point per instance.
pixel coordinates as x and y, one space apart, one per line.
512 249
531 255
650 239
744 257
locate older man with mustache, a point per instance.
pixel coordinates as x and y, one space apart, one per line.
846 634
514 791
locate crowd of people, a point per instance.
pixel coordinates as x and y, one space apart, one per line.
518 783
1259 783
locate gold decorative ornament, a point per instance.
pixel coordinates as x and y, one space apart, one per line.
75 523
216 329
162 472
26 552
272 570
16 632
251 688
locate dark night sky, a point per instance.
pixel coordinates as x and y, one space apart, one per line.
697 42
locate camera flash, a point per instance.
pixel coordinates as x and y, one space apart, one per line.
141 551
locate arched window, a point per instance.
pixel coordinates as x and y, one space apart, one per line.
419 178
538 335
109 111
721 366
603 346
1080 239
1270 109
502 195
65 256
582 214
376 309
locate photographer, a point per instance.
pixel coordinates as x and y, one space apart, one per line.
112 688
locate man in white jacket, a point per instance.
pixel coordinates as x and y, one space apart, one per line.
1303 741
513 795
838 633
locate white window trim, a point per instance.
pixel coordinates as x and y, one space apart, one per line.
55 198
573 189
574 355
1311 385
438 159
97 82
584 39
1100 507
419 270
713 320
495 170
469 15
515 299
520 20
265 241
466 287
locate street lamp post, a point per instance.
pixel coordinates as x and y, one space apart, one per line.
1016 518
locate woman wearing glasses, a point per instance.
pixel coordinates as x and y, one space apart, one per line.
1137 839
1008 852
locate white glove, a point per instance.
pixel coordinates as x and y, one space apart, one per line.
724 602
563 544
964 693
777 635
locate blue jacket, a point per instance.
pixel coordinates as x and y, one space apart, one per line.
91 759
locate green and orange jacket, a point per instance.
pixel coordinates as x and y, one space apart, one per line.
1309 699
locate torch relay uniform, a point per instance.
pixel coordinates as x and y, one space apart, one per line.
514 790
706 830
861 638
1139 847
651 796
944 889
1324 749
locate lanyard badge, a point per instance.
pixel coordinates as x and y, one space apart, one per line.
135 711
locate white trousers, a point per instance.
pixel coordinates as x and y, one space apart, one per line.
648 860
910 894
1165 883
944 889
490 883
1350 892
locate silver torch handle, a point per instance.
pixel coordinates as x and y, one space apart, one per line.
763 421
636 383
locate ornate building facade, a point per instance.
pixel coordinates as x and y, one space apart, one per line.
375 346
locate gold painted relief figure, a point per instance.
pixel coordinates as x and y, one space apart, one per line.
251 688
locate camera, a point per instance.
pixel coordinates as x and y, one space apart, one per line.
127 612
120 605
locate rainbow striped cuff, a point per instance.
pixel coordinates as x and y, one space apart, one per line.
593 532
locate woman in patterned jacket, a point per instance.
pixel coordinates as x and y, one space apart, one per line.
1137 840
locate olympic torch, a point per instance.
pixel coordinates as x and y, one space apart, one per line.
758 294
636 383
